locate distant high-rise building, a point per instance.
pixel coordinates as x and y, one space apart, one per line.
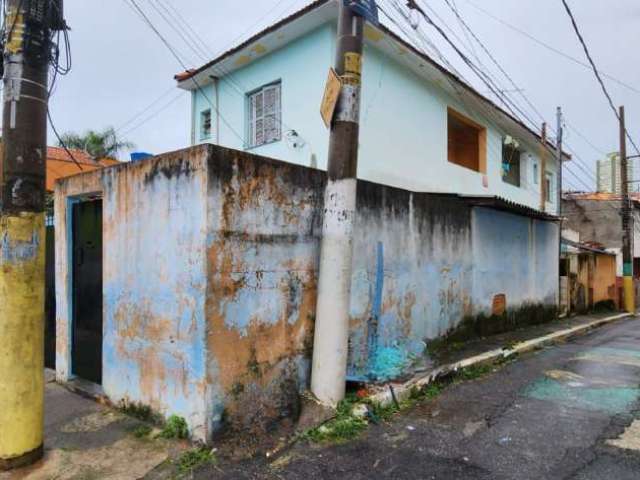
609 174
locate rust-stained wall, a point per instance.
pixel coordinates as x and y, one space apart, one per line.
262 256
210 272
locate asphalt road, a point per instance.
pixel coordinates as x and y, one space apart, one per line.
566 412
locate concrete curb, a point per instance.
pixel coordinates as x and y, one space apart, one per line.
385 394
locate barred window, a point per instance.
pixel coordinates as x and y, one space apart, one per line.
265 115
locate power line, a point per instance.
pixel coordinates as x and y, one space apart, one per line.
547 46
595 69
150 24
145 110
154 114
61 141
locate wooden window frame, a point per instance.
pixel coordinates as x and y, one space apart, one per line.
482 140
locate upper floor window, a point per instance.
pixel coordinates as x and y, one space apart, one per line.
265 116
548 186
467 142
536 171
205 124
511 160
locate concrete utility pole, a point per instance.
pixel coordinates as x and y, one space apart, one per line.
27 51
559 135
543 168
330 351
627 254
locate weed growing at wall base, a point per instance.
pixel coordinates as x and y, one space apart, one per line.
176 427
195 458
343 427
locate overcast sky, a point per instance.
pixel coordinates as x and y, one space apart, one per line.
120 68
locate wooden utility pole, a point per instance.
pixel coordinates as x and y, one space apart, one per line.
627 253
543 169
27 52
328 380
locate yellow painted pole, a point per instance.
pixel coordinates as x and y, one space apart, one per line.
27 51
22 263
627 226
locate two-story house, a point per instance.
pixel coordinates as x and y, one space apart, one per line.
422 128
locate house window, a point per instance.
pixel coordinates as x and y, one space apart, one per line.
265 115
467 142
548 186
536 173
205 124
511 161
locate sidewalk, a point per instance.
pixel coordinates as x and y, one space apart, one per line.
86 440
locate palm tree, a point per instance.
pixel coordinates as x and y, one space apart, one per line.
104 144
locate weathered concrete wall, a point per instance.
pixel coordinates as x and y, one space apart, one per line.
210 271
411 278
515 257
154 235
262 258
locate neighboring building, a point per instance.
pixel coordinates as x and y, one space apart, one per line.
422 128
60 164
597 219
588 276
609 174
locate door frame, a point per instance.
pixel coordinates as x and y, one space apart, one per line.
70 203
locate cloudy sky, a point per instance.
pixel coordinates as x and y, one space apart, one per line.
123 75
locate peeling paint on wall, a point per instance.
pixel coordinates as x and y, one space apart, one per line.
210 279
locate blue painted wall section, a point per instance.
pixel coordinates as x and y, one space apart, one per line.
513 256
154 285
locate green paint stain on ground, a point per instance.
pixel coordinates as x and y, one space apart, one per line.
607 399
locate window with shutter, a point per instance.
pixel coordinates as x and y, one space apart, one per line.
265 116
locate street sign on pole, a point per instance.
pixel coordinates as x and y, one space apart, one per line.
330 98
366 9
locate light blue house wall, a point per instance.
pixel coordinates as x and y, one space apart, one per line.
403 140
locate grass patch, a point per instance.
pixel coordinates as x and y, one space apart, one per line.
142 431
176 427
195 458
474 372
344 427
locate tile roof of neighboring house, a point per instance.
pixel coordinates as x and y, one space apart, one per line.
317 5
60 164
587 246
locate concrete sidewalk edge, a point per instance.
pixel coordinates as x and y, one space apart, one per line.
385 394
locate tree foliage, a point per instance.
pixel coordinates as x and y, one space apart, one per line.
98 144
